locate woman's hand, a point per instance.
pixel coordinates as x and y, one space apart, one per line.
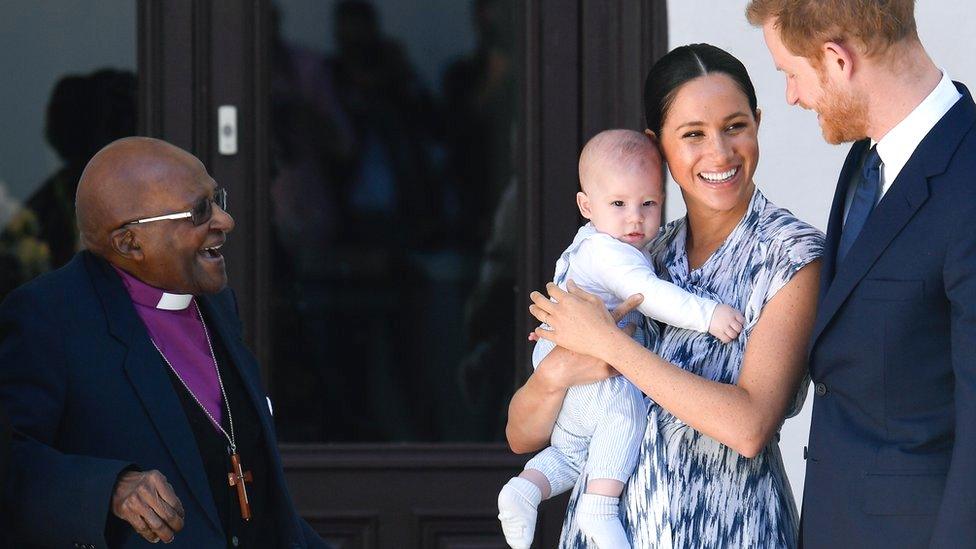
579 321
534 407
562 369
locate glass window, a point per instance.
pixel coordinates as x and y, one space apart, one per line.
394 219
69 89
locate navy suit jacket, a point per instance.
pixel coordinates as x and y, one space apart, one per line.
892 452
89 396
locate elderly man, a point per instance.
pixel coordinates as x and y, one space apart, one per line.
892 455
139 412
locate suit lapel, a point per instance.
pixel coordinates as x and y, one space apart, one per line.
897 207
147 373
906 195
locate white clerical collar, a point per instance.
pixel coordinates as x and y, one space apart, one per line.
151 296
174 302
898 145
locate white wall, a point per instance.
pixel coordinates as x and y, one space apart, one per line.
797 170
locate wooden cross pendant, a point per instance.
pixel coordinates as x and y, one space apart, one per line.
237 477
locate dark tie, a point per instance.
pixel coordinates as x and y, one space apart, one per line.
865 197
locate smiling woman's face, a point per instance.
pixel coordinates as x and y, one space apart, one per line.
710 142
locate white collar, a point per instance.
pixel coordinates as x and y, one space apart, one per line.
174 302
151 296
898 145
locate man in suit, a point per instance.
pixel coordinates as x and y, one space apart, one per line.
892 451
139 412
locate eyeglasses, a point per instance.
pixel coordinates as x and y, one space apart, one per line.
201 213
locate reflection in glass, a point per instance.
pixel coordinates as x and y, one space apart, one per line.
73 91
394 219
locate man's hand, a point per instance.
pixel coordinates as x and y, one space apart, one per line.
147 502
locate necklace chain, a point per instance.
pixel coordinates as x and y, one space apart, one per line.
230 418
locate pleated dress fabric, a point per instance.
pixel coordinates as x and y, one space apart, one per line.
689 490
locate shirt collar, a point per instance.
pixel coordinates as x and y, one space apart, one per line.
898 145
150 296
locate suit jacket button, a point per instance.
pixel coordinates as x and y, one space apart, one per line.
804 452
821 389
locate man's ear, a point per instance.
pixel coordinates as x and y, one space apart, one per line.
126 244
653 137
583 202
838 60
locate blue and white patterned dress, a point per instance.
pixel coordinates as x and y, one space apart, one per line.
689 490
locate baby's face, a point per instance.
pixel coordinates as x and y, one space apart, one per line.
626 204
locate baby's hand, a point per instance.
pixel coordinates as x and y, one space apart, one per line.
726 323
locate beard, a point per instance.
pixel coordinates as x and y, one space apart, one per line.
843 115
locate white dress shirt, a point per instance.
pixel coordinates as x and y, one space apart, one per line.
898 145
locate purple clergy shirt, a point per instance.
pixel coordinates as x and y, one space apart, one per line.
180 335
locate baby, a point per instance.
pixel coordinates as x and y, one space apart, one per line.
600 426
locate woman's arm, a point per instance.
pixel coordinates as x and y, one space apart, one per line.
743 416
534 407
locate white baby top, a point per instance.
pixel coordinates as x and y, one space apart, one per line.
613 270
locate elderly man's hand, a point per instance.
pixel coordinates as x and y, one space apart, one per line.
147 502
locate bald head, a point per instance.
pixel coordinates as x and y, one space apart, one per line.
617 151
176 246
123 181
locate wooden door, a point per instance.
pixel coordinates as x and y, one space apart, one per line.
386 298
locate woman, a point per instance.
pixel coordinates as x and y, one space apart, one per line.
710 472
